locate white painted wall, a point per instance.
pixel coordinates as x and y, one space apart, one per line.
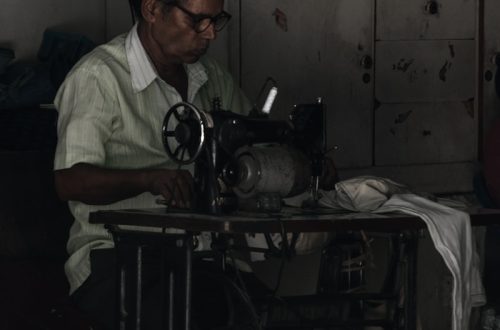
118 18
23 22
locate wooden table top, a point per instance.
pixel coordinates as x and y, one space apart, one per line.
289 219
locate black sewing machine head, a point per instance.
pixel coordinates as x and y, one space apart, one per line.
243 161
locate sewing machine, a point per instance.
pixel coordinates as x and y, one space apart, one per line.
246 162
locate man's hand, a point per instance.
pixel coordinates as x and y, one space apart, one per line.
176 186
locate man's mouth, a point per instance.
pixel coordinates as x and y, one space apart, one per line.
201 51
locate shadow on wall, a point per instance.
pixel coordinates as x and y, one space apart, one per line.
25 84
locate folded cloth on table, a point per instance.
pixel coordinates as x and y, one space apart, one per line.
361 194
449 229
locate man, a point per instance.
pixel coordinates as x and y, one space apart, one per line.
110 154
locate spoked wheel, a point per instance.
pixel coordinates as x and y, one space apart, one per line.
184 132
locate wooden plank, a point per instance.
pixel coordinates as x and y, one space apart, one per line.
425 133
297 221
425 71
414 20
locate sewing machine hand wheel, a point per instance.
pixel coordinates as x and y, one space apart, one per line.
184 132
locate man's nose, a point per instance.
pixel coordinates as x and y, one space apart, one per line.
210 32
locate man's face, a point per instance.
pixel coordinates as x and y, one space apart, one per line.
175 35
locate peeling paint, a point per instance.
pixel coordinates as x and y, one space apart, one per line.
444 70
280 19
402 65
319 56
392 130
426 132
402 117
469 107
452 50
413 76
424 28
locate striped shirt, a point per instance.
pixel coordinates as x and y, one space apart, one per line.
111 108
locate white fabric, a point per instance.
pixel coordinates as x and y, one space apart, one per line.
352 197
449 228
306 243
364 194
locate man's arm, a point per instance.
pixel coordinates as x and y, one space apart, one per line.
94 185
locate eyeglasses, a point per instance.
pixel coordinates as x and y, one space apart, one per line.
201 22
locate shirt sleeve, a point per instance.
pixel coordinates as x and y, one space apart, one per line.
85 120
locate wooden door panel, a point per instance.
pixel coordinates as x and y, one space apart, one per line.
425 71
425 133
314 48
425 19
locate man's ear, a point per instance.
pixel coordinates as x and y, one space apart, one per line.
149 9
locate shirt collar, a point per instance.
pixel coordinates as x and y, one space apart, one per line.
143 73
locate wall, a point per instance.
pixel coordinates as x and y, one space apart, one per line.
23 24
99 20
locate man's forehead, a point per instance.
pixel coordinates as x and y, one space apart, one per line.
203 5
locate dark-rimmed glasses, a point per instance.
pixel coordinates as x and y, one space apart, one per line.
201 22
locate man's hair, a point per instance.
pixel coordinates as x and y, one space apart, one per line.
135 6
